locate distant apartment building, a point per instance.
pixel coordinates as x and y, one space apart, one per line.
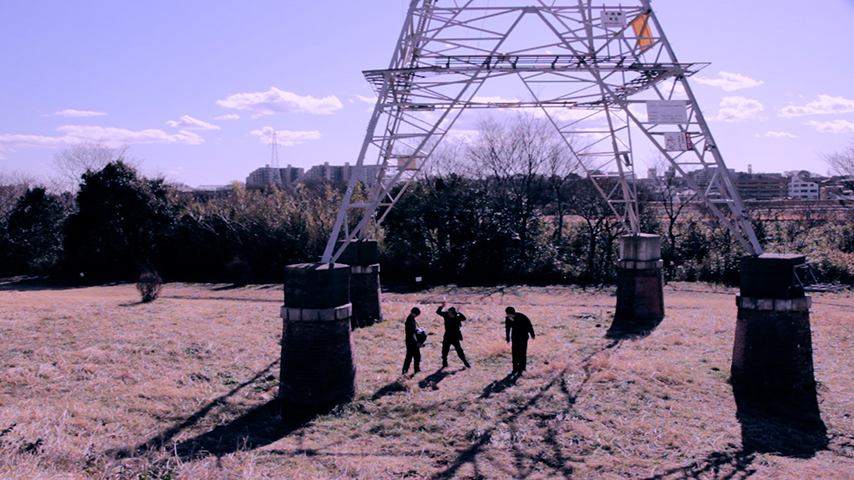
803 186
269 176
340 173
761 186
837 188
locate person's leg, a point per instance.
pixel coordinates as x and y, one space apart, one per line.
458 346
523 356
517 364
416 355
407 360
446 345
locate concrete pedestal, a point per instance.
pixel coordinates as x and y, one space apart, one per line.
365 288
772 366
640 296
318 367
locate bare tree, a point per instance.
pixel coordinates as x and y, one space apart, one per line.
841 162
72 162
515 156
674 199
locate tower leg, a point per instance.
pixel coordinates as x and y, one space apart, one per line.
365 289
640 296
318 367
772 366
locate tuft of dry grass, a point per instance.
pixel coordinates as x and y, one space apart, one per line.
95 384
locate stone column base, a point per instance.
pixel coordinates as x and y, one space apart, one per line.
640 297
772 351
366 295
318 370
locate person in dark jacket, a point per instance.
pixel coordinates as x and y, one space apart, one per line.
453 335
517 327
413 347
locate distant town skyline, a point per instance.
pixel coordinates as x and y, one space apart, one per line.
195 89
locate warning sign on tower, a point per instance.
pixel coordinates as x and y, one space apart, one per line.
678 141
613 19
666 111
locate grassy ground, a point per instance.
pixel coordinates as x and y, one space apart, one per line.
94 384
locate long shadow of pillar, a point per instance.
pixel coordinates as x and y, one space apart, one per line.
640 285
318 368
772 367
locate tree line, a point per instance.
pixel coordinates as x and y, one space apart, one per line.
524 215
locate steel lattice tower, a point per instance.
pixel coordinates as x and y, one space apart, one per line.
601 72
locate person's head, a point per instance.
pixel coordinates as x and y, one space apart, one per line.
452 311
510 311
415 311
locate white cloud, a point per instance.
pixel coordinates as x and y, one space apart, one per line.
279 101
371 100
110 136
738 109
191 123
778 135
228 116
70 112
730 81
835 126
285 138
823 106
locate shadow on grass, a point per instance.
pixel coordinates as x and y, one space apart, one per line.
526 463
390 389
723 465
260 426
625 329
432 380
29 284
787 424
499 386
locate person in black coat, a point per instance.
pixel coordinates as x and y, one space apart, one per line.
413 347
517 327
453 335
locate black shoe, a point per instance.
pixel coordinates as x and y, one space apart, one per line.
444 364
467 364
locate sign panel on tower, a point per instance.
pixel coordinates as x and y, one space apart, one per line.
666 111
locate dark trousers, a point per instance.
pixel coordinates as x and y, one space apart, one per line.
520 355
412 353
446 347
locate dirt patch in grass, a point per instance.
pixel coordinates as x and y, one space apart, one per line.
95 384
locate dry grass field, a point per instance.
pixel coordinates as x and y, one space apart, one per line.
94 384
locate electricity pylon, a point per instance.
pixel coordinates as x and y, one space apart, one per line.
598 72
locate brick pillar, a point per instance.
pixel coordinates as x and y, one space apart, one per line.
772 351
640 296
318 368
772 366
365 288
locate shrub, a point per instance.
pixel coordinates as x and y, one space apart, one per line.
149 286
239 272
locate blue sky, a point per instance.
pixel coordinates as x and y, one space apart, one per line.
192 86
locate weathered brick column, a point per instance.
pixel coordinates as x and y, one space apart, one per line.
772 351
365 288
318 368
773 379
640 295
